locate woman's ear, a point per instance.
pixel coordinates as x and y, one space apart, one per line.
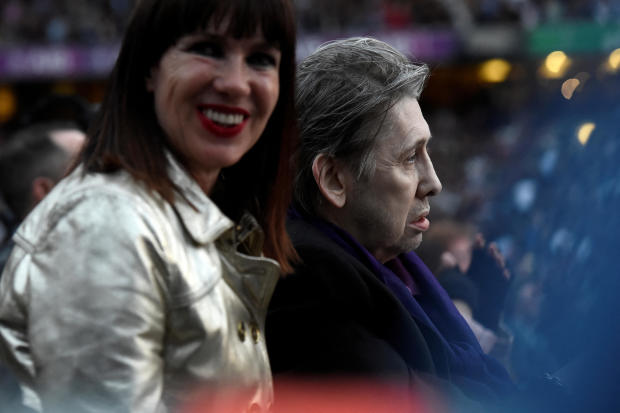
330 178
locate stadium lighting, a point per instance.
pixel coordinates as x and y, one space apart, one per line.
494 70
584 131
8 104
555 65
569 86
613 61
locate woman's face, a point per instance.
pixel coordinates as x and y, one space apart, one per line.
213 97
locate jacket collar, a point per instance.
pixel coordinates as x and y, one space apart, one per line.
254 276
202 219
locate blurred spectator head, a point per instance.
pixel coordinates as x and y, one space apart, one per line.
345 92
448 244
33 160
62 108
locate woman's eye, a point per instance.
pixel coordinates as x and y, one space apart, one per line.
262 60
209 49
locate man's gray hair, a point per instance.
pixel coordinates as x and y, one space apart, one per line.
30 152
345 90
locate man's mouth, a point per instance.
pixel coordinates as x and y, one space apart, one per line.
421 223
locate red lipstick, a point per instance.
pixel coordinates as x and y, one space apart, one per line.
219 129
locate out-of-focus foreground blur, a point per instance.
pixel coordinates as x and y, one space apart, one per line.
523 103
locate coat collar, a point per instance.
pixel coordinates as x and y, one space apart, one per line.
202 219
254 275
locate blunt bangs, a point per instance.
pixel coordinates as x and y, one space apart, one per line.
170 20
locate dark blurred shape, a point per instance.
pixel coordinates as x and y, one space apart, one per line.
459 287
59 108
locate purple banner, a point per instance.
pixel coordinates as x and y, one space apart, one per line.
35 62
54 62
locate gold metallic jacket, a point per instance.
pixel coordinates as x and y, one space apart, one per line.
114 300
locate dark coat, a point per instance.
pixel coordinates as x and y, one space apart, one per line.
334 317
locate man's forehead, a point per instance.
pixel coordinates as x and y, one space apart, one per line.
70 140
409 128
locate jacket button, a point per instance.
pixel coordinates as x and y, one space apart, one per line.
241 331
255 333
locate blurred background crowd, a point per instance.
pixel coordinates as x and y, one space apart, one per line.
97 21
523 102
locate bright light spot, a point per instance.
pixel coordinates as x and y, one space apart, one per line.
494 70
584 132
614 59
555 65
568 87
613 62
8 104
555 61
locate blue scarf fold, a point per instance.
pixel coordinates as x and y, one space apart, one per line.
410 280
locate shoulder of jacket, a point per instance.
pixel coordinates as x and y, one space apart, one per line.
91 201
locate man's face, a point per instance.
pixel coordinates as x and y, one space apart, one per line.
387 212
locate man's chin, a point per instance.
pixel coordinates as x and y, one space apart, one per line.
410 244
415 242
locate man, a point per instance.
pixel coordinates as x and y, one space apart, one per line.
31 162
361 303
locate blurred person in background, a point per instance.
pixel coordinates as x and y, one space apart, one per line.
475 277
57 107
362 303
144 276
32 161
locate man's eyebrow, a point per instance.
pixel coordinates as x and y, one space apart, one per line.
415 145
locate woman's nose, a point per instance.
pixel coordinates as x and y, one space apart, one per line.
233 77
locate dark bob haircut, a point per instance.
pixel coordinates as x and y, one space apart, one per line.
125 133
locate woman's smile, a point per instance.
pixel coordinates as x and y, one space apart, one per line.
223 121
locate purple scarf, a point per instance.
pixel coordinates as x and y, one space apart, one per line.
417 289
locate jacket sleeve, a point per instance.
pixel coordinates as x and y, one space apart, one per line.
88 291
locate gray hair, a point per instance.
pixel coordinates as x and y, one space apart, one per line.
30 152
345 90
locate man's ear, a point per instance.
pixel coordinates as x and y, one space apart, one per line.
41 186
330 179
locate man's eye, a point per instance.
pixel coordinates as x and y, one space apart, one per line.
411 159
209 49
262 60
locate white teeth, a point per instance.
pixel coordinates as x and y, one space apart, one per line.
227 119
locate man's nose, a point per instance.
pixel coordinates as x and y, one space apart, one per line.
232 77
429 184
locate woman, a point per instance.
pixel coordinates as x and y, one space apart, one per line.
130 286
